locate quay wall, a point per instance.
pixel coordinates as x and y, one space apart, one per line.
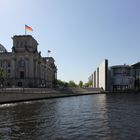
37 94
17 97
11 97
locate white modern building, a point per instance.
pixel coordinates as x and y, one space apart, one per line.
100 76
117 77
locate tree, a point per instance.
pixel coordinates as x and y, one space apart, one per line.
72 84
90 83
62 83
86 84
80 83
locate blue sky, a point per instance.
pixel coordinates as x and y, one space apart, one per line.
79 33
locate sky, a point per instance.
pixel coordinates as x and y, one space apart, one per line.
79 33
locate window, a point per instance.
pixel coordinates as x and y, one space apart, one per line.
21 74
8 64
20 84
21 44
8 76
9 70
8 84
1 63
25 43
17 43
21 63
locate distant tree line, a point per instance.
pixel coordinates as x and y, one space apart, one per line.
71 83
61 83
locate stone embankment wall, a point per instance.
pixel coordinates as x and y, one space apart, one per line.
16 95
9 96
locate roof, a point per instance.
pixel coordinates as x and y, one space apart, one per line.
120 66
2 49
24 36
136 64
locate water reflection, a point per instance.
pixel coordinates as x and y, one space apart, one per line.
123 116
20 120
93 117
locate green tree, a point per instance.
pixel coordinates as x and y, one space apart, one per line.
62 83
80 83
86 84
90 83
72 84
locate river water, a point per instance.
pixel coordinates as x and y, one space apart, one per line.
91 117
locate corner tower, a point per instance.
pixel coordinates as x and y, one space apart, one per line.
24 43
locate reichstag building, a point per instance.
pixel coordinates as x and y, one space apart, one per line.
24 66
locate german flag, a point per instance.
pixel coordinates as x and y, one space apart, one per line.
28 28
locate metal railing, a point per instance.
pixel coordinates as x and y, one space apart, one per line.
27 90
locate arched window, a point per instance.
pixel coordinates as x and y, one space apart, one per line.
25 44
8 64
21 44
21 63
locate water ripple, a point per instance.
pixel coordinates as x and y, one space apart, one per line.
94 117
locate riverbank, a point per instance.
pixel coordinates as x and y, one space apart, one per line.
11 95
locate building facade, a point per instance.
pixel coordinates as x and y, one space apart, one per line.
117 77
136 73
121 77
100 76
25 67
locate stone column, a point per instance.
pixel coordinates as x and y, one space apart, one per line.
31 68
36 69
27 68
13 68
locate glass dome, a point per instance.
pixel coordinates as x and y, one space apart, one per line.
2 49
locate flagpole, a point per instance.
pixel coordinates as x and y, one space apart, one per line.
48 54
25 29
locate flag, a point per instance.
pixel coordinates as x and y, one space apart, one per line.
28 28
49 51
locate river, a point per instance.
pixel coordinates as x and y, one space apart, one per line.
91 117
